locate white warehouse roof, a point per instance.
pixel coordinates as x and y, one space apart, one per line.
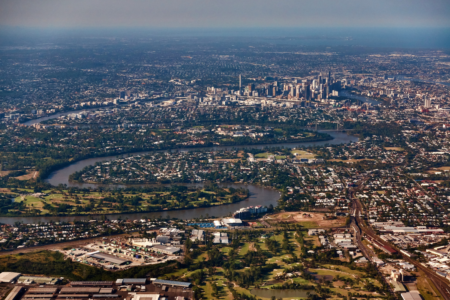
8 276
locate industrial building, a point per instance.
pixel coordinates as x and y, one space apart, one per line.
171 283
15 293
197 235
220 238
411 296
232 222
165 249
108 258
138 281
37 279
9 277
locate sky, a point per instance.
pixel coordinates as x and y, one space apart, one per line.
206 14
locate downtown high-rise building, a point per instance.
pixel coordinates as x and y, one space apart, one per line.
308 92
427 102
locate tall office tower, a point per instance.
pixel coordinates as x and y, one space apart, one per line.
427 102
314 84
320 78
329 77
308 92
240 82
274 91
297 91
251 87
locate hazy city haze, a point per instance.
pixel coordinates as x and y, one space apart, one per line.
224 14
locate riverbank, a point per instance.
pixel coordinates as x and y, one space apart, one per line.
61 175
45 173
257 196
264 196
372 101
108 204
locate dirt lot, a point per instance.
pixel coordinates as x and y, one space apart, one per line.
394 148
387 269
28 176
307 219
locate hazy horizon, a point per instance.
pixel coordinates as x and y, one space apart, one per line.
225 14
367 37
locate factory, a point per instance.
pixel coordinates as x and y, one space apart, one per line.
124 288
108 258
232 222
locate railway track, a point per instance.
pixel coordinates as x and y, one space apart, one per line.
441 283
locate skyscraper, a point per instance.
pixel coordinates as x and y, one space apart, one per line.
427 103
308 92
329 77
240 82
297 91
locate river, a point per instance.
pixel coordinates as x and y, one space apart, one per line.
60 114
347 94
61 176
258 195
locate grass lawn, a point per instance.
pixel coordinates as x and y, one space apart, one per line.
313 240
426 288
302 281
280 157
293 241
302 154
279 259
262 245
225 250
332 272
28 200
244 249
263 155
344 269
202 256
178 273
309 224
